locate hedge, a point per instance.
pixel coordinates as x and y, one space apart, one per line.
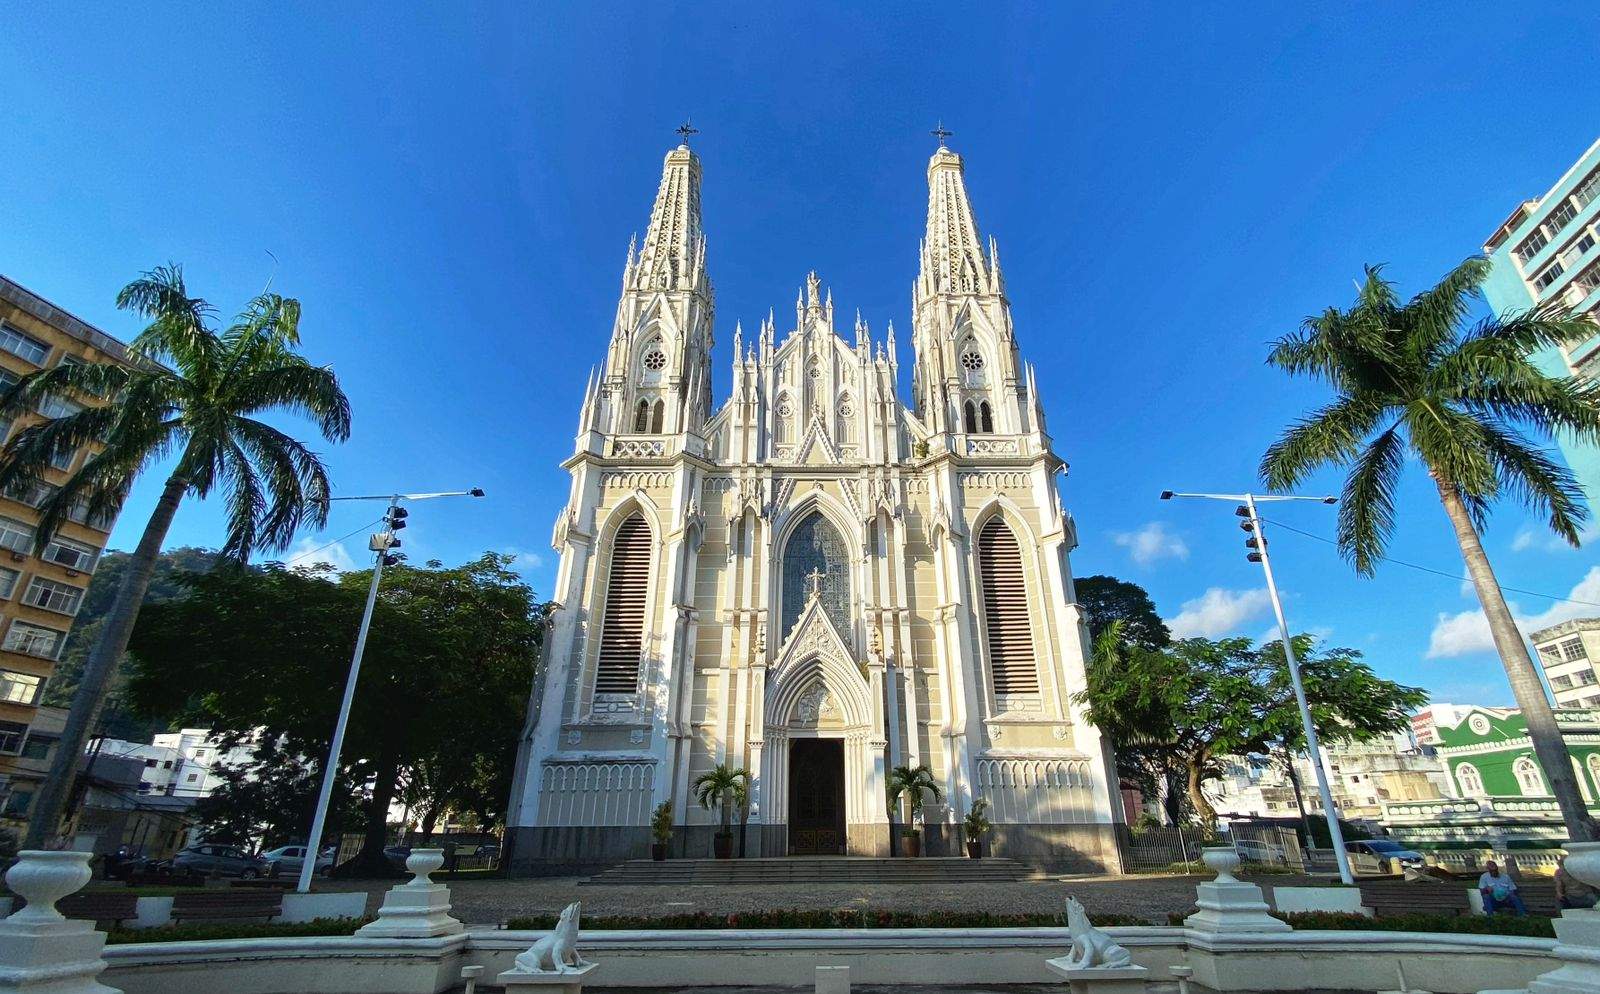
235 930
1536 926
835 918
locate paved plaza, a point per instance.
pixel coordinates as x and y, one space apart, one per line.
491 902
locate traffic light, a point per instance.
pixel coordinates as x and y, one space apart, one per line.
396 518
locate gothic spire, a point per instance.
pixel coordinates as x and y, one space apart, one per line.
672 257
952 255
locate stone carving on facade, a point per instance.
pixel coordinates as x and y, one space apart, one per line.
992 447
814 706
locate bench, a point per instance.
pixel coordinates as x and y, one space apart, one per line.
1387 898
100 906
226 905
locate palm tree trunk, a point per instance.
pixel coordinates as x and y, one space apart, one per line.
45 820
1548 745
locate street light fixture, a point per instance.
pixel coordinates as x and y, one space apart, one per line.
1257 543
380 544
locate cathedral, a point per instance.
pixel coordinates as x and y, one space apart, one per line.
812 580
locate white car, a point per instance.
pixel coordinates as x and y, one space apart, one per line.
1254 851
289 859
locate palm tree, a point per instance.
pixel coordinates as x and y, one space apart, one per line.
721 786
914 782
1414 377
188 391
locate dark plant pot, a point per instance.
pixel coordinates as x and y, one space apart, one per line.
658 851
974 849
722 845
911 845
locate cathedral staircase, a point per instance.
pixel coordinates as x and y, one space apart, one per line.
812 870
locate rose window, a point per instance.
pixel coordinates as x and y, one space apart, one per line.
655 360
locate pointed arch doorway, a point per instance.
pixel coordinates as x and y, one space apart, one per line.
816 797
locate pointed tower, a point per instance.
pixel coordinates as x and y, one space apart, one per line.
967 378
657 376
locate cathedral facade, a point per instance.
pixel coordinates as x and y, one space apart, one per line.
812 580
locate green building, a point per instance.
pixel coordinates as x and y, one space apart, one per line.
1499 790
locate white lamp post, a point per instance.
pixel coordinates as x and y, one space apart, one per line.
380 544
1259 544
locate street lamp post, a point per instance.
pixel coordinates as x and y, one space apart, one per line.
380 544
1259 545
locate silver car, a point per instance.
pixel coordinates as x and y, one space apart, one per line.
286 860
226 861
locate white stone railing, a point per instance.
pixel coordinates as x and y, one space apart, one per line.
641 446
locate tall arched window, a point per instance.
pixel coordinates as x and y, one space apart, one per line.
1529 780
1469 780
657 416
816 546
1583 781
641 418
985 419
622 624
1005 611
972 418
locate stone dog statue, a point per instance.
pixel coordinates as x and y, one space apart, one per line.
1091 948
558 951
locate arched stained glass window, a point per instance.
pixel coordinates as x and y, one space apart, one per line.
816 546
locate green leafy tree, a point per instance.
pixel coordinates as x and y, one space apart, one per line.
1191 704
1416 377
1105 599
721 786
269 802
117 718
443 687
192 393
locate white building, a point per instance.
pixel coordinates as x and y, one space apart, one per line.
813 581
185 763
1570 654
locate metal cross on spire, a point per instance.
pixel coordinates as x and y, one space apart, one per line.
685 130
940 132
815 576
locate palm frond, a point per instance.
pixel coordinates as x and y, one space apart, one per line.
295 385
1331 435
1366 512
1544 485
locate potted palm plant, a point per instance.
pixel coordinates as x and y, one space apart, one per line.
912 783
660 831
721 787
975 824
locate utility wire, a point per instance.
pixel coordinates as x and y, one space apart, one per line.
1436 572
341 538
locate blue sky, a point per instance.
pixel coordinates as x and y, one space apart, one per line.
451 198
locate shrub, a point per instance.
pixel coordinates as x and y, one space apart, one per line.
835 918
235 930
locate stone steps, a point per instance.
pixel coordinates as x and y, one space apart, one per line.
811 869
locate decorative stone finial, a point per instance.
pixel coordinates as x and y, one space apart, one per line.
43 878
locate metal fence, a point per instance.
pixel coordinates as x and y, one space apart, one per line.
1177 848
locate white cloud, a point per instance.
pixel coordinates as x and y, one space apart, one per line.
1467 632
310 551
523 560
1217 612
1152 543
1541 539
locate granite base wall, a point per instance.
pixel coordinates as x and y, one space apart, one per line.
584 849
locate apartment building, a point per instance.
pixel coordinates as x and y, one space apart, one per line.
40 593
1548 251
1569 653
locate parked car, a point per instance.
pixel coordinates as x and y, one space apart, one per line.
1256 851
227 861
490 850
1373 855
286 860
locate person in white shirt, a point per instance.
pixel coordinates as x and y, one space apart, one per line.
1499 891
